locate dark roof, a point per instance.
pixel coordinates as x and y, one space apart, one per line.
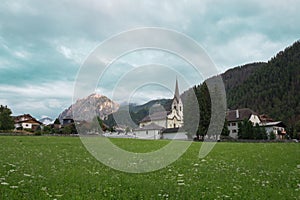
68 117
151 126
265 118
244 113
26 118
170 130
22 117
155 116
176 95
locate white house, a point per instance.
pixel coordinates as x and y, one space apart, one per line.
151 131
278 128
156 122
233 117
174 134
26 121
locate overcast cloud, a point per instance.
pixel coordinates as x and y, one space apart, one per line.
43 43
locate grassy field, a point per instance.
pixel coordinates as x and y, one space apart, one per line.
61 168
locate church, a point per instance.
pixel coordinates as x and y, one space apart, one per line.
155 124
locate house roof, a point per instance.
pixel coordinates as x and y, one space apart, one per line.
26 118
239 114
170 130
155 116
278 123
30 121
151 126
265 118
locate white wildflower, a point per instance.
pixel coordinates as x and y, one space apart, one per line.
28 175
44 188
4 183
12 165
14 187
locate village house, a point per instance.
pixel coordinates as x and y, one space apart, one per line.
234 117
277 127
26 121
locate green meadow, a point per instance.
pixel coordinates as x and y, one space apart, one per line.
61 168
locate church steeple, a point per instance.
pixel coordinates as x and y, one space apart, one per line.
176 95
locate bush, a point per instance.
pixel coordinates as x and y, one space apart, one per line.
272 136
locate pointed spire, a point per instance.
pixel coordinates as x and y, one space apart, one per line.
176 95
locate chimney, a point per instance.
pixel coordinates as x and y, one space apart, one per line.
237 114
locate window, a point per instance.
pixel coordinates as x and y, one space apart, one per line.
174 125
234 131
175 107
233 124
180 108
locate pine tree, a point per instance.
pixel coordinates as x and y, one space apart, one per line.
6 121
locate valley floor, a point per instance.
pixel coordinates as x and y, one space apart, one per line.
61 168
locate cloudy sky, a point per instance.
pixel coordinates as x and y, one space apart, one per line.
44 43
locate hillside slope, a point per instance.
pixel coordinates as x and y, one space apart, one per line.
272 88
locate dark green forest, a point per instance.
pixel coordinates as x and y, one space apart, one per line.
271 88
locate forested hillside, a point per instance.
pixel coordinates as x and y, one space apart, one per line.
272 88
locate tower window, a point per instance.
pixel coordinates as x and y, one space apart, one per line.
180 108
175 107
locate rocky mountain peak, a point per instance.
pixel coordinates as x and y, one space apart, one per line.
87 108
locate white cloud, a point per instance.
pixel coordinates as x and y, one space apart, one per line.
59 89
46 41
252 47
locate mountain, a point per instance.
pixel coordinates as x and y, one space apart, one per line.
271 88
46 120
136 113
234 77
86 108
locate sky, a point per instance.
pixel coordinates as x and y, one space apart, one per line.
43 44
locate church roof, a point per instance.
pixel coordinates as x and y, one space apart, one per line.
155 116
177 95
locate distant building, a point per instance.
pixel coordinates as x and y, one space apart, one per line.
150 131
173 134
153 125
233 117
26 121
67 120
278 128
